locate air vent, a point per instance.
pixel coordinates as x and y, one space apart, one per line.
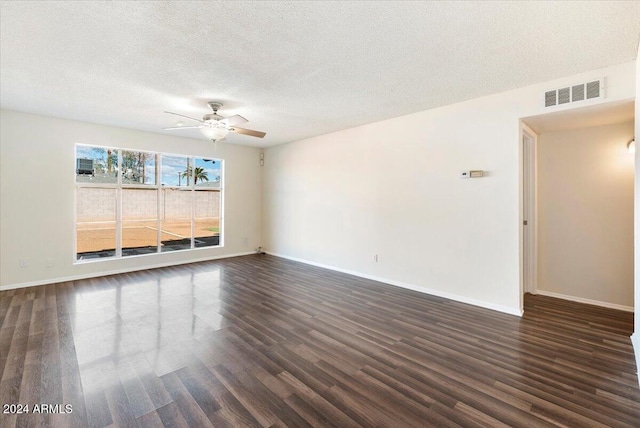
593 90
564 96
550 98
575 93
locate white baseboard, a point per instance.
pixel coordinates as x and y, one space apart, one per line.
117 271
587 301
430 291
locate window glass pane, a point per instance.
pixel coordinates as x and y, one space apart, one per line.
176 171
207 218
139 221
96 165
184 213
95 223
176 219
206 173
138 167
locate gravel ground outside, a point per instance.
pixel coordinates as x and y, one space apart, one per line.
102 236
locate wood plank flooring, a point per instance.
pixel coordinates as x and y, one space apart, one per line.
263 341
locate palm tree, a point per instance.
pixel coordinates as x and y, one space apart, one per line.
198 174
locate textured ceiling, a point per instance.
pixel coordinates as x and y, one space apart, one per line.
294 69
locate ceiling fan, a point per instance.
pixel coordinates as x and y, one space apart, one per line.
216 127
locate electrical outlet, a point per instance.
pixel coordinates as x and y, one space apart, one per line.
375 258
49 262
24 263
245 242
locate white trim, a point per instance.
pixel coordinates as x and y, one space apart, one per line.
160 205
450 296
118 248
587 301
221 233
529 210
528 129
635 341
118 271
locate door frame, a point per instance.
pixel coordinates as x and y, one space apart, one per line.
528 225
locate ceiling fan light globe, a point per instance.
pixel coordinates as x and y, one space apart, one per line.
214 133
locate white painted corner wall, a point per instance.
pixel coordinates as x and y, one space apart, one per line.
585 215
37 197
392 189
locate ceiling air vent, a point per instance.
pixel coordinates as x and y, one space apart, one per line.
593 90
563 95
577 93
582 92
550 98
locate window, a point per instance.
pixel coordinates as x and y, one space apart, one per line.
133 202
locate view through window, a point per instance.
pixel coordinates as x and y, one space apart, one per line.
134 202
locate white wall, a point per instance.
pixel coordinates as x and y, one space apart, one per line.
635 338
37 196
585 214
391 188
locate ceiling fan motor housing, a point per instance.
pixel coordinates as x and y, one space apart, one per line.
215 106
215 117
212 117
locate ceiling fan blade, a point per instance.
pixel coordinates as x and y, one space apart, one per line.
248 132
235 120
182 115
171 128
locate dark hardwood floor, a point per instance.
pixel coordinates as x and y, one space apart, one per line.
263 341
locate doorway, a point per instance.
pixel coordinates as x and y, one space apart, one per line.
577 205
